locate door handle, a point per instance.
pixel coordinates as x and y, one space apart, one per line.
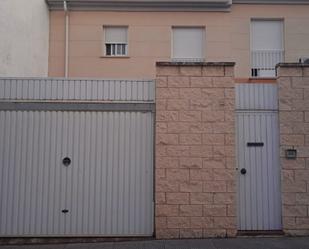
243 171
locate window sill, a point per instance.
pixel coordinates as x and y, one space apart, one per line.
263 78
115 57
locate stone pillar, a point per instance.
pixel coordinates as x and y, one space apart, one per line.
195 150
293 80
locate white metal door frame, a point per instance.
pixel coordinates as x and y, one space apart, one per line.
259 192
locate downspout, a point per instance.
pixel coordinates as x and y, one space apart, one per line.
66 62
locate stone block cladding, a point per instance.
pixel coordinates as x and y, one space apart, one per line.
293 82
195 193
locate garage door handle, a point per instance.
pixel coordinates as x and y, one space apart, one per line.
243 171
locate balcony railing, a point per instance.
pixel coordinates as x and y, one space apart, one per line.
263 62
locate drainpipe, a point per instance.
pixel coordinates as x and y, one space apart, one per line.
66 63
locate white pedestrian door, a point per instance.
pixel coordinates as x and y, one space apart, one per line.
259 192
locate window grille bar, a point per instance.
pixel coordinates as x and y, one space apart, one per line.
116 49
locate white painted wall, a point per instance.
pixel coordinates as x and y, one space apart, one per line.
24 42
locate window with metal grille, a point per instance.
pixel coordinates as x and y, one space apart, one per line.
267 48
116 41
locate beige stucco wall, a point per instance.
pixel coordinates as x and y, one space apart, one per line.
227 38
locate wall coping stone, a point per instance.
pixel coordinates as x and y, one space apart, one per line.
294 64
191 64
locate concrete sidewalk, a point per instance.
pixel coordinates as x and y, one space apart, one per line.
238 243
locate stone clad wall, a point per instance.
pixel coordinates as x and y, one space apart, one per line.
195 150
293 83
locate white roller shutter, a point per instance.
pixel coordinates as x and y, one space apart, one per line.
115 34
266 35
188 43
76 157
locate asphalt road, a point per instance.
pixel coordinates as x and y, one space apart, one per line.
238 243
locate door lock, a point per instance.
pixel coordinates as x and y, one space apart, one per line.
243 171
66 161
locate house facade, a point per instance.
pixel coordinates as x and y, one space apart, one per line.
256 35
198 192
165 119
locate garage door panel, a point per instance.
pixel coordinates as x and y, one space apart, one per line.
107 189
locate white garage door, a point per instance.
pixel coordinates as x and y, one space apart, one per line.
71 172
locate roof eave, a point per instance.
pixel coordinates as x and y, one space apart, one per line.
137 5
290 2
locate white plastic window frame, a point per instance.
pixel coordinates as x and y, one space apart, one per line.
203 59
115 45
253 72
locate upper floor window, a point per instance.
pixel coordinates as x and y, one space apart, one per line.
267 47
116 40
188 43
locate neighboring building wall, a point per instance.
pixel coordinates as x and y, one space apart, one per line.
294 133
24 38
227 38
195 150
